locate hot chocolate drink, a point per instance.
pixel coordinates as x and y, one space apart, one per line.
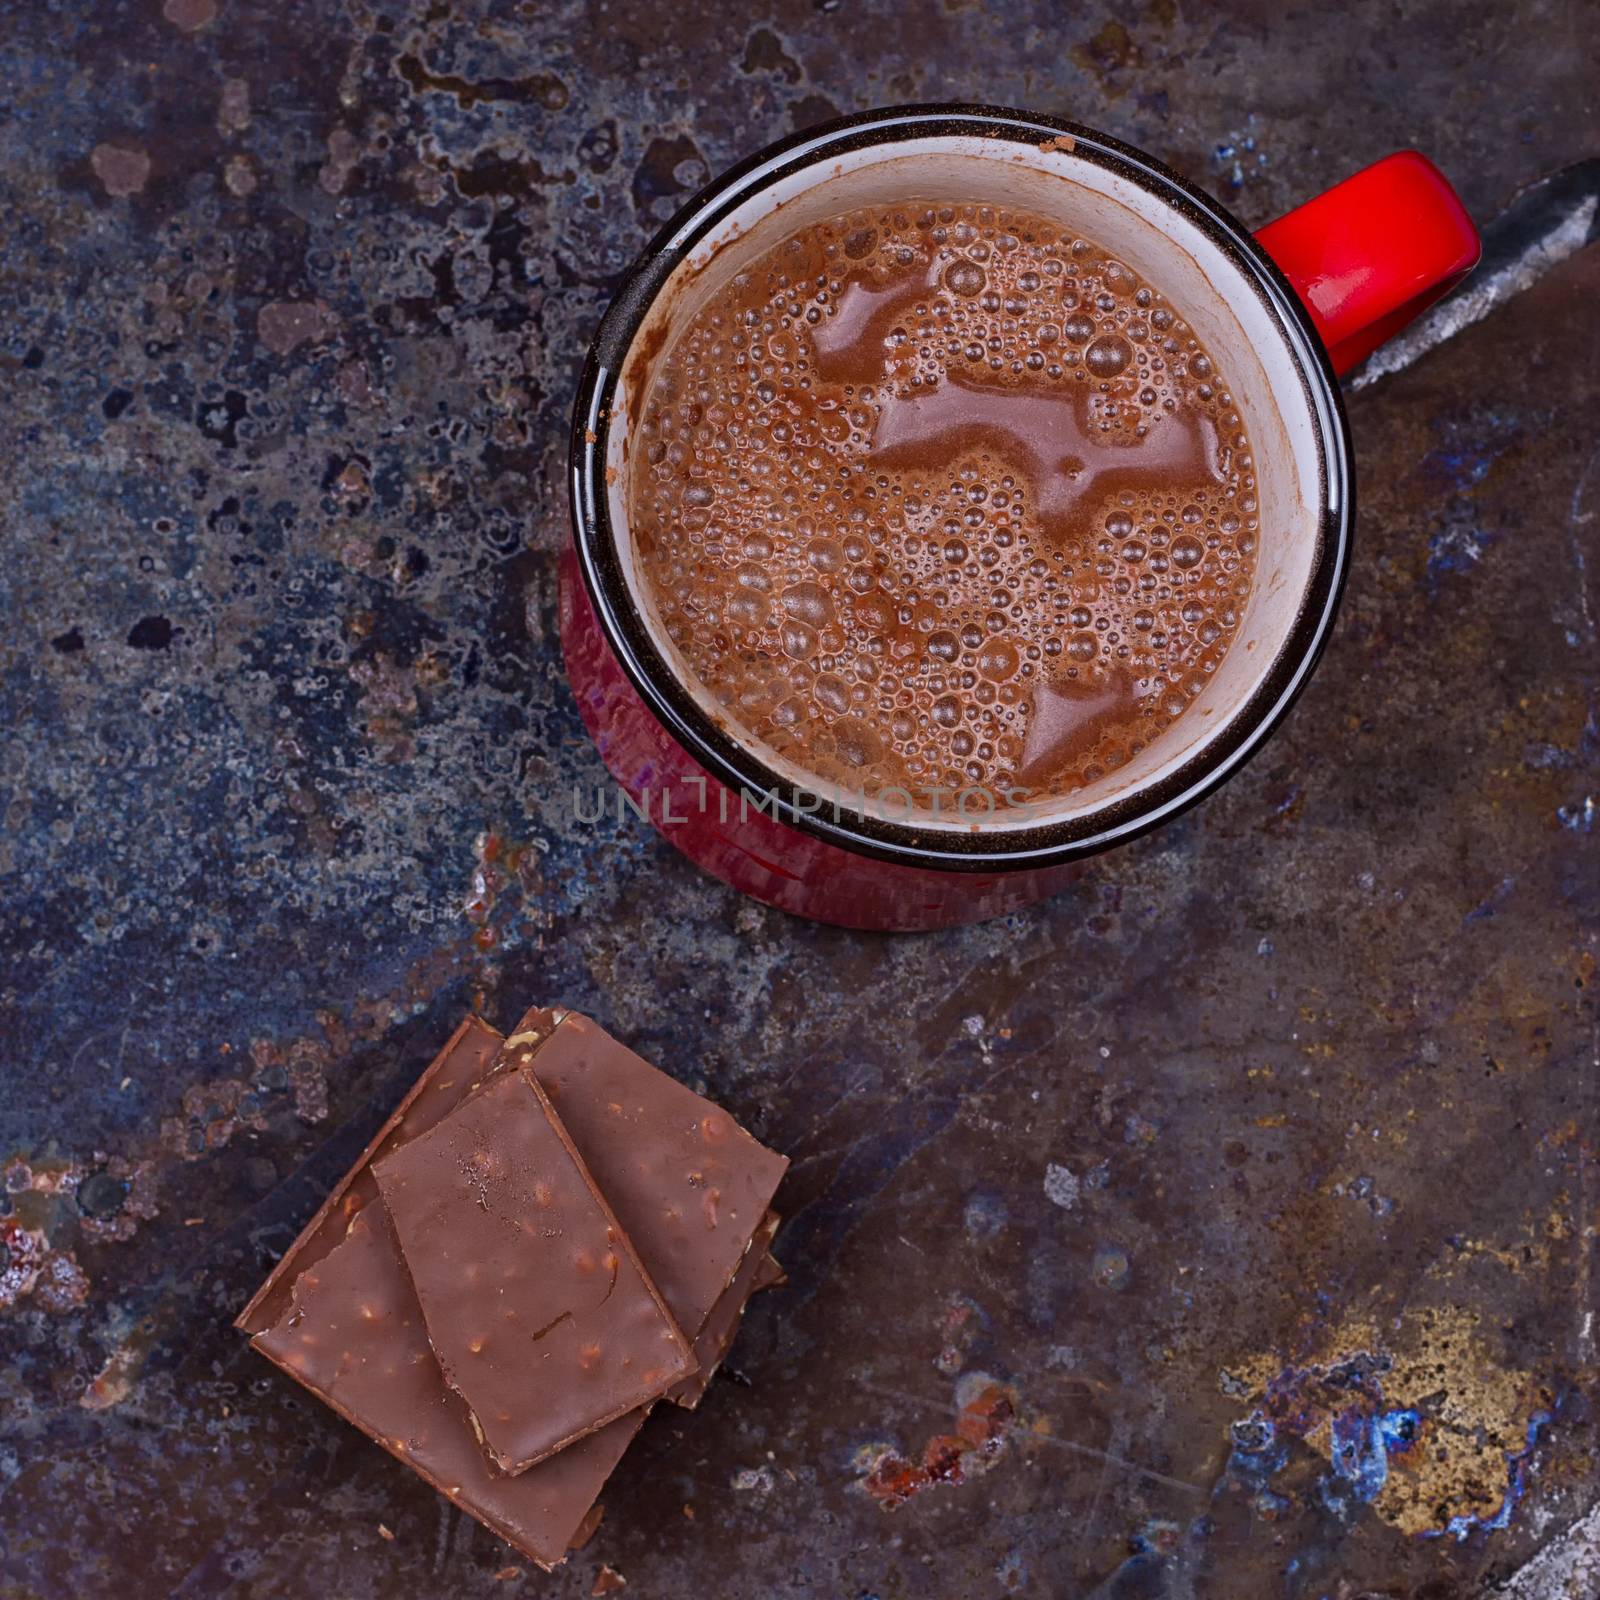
943 498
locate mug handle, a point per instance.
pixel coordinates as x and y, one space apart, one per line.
1373 252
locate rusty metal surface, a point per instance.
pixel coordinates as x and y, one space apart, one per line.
1223 1228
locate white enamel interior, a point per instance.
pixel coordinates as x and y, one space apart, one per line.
1161 245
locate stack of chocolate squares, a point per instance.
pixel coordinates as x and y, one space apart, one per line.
547 1237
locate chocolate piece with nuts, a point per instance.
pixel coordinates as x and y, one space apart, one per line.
459 1068
352 1333
689 1185
536 1305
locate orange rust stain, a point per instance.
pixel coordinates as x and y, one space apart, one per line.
981 1427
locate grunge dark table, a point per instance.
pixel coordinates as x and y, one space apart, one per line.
1223 1228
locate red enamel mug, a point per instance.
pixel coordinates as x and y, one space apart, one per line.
1294 305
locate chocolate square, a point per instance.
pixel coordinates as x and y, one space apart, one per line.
466 1060
352 1332
542 1318
689 1185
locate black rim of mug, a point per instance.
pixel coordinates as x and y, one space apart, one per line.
890 838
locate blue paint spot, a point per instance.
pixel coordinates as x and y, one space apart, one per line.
1491 902
1157 1537
1516 1486
1544 757
1238 156
1257 1456
1457 468
1453 549
985 1217
1254 1435
1363 1444
1577 818
1461 469
1271 1506
1365 1189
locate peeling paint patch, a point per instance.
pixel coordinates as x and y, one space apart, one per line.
284 325
961 1324
1061 1186
1419 1420
63 1285
115 1195
122 171
190 15
28 1266
19 1267
233 109
115 1381
212 1113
